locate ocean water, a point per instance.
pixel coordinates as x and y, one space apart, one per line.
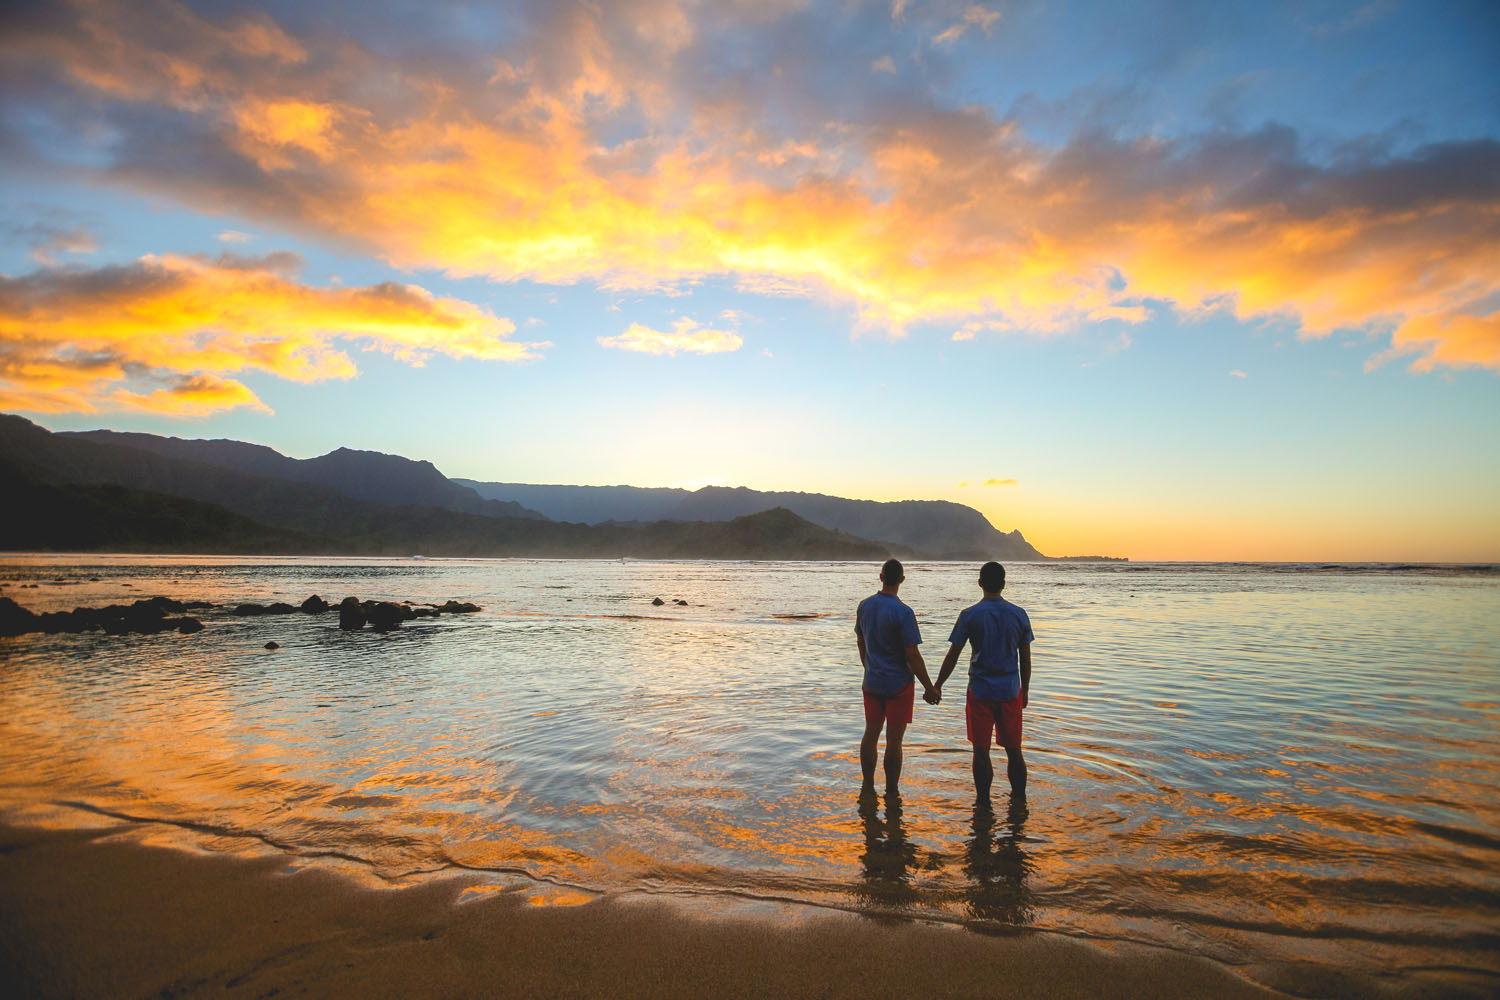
1289 769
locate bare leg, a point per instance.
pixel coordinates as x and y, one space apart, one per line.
894 733
868 745
1015 770
984 775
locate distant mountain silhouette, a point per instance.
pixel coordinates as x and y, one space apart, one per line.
587 504
929 529
70 492
42 517
363 475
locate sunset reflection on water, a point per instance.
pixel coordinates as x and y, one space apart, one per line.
1258 764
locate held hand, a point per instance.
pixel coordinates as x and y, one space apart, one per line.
932 695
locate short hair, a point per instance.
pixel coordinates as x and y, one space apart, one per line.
992 577
892 572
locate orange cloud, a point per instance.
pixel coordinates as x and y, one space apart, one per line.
161 333
917 217
686 336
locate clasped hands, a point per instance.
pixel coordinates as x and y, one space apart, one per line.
933 695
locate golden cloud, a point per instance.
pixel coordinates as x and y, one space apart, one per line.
686 336
918 217
160 333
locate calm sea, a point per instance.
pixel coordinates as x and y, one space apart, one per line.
1291 769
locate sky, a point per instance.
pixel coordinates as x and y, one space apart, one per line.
1165 280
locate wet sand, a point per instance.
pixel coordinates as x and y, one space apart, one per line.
93 914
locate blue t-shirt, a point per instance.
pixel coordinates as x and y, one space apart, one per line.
888 627
994 630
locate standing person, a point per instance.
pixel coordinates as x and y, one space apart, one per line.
999 634
886 630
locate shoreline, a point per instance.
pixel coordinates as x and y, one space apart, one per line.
95 913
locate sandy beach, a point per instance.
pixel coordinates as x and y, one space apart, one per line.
93 914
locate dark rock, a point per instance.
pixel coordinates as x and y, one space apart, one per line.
54 622
145 617
351 615
280 608
459 608
273 645
14 619
245 610
385 616
682 603
315 605
657 602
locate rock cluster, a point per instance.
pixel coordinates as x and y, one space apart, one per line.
151 615
145 617
382 616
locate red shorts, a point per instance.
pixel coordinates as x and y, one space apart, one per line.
891 707
982 721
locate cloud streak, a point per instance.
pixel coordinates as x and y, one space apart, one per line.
685 337
910 214
164 333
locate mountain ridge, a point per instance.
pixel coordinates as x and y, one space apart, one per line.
68 493
362 475
930 529
331 496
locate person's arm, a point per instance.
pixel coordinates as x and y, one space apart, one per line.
863 656
1025 652
949 662
918 667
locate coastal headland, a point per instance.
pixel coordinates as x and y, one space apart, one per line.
104 491
98 913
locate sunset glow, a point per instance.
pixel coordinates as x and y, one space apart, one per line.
1184 280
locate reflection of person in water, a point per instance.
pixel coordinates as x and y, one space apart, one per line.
889 857
997 867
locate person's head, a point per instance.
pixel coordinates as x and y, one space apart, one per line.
992 578
892 573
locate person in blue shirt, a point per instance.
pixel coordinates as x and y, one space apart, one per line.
886 631
999 635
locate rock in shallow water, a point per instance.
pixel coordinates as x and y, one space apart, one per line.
385 616
351 615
